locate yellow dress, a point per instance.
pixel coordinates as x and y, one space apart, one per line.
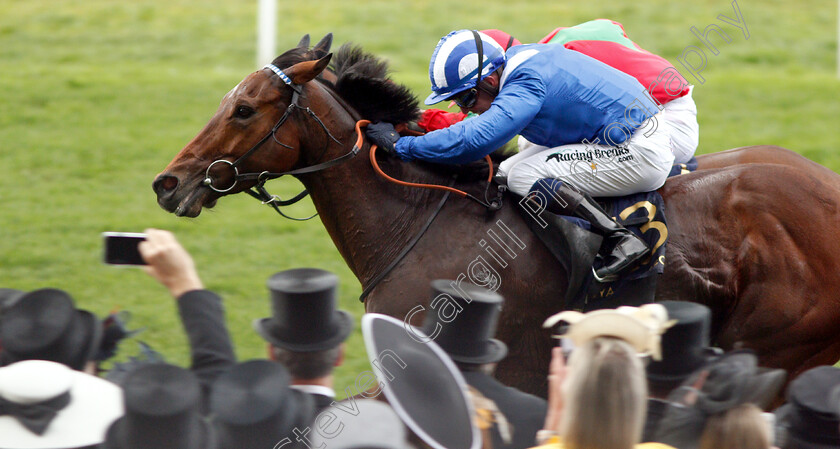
555 443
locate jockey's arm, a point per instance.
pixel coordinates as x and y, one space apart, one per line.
512 110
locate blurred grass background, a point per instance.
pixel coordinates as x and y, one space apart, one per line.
99 95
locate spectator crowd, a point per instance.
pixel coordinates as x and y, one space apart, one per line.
632 377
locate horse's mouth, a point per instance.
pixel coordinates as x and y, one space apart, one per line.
192 203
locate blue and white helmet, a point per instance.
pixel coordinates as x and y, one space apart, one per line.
454 64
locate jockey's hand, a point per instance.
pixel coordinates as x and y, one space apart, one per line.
383 135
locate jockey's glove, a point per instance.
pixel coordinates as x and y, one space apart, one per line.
383 135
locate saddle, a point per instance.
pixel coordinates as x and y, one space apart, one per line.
576 248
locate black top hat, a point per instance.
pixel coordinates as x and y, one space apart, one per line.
468 338
8 297
421 383
255 408
161 411
809 419
44 324
304 312
685 345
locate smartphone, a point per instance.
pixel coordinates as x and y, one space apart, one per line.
568 347
121 248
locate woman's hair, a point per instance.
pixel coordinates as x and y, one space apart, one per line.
605 396
742 427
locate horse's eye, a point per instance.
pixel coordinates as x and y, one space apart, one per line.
243 112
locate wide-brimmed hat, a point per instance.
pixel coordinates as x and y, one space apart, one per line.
47 405
734 379
45 325
685 345
421 383
375 425
731 380
468 337
255 408
161 411
809 419
641 327
304 311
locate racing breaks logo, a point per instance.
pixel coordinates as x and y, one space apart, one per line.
592 156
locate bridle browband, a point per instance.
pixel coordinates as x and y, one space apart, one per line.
258 191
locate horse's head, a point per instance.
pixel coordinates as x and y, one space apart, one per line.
276 121
254 130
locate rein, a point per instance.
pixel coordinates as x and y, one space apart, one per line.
491 205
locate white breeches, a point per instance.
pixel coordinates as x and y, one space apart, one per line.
640 164
681 114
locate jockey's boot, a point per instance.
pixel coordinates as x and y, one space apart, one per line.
621 249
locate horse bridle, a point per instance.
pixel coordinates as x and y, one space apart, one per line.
258 191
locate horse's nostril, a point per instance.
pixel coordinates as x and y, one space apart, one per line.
165 184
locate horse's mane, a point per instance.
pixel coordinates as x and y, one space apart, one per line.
363 83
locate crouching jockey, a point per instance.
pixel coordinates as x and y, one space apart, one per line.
581 122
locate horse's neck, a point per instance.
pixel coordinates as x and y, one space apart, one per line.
370 221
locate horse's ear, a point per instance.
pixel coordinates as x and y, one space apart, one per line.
323 46
304 41
303 72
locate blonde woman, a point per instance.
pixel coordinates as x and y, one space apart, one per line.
742 427
599 401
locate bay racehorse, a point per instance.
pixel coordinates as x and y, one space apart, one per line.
753 234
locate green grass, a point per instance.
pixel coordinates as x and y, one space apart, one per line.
98 96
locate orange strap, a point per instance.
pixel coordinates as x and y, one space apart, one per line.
377 169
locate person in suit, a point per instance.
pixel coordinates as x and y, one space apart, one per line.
201 310
306 331
511 417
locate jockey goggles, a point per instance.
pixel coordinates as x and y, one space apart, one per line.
467 99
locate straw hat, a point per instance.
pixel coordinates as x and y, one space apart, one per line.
641 327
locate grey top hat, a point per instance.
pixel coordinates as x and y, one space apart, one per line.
375 425
304 315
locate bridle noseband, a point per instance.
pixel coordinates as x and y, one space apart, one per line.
258 191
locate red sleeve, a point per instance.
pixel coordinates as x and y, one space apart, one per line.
550 35
434 119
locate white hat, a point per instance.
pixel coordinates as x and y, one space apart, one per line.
93 405
641 327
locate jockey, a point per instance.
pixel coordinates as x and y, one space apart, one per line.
606 41
586 129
